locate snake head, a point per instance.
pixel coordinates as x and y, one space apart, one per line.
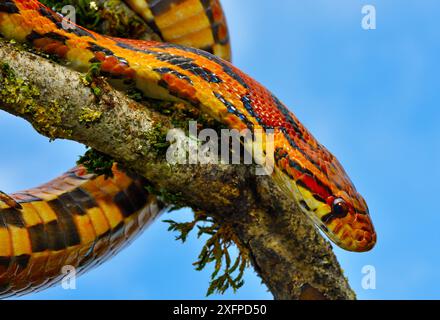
348 223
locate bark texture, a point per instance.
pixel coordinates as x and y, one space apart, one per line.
289 254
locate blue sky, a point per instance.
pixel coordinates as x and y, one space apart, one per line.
372 97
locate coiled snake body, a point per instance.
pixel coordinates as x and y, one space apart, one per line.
81 219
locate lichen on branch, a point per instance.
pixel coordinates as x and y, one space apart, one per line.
271 233
286 251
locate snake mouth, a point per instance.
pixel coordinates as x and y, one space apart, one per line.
348 223
355 232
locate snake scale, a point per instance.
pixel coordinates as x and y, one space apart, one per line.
81 219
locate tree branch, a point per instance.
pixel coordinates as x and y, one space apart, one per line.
289 254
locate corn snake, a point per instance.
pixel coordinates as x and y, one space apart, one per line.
81 219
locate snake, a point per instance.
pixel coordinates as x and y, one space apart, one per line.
81 219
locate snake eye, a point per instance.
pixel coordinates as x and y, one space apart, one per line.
340 208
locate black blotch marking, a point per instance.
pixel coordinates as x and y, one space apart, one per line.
38 237
294 145
97 48
295 126
247 103
188 64
126 45
226 66
305 171
9 7
316 196
294 165
319 198
137 195
71 204
124 204
155 28
209 49
22 261
287 116
107 52
173 72
297 167
159 7
83 198
292 142
55 36
55 237
164 84
304 205
12 217
327 218
5 262
208 9
232 109
80 32
215 25
66 223
49 14
216 31
33 36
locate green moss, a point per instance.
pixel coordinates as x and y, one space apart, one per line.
134 93
228 272
119 23
93 72
180 113
89 116
97 163
175 200
91 79
107 17
22 95
157 137
87 15
110 19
